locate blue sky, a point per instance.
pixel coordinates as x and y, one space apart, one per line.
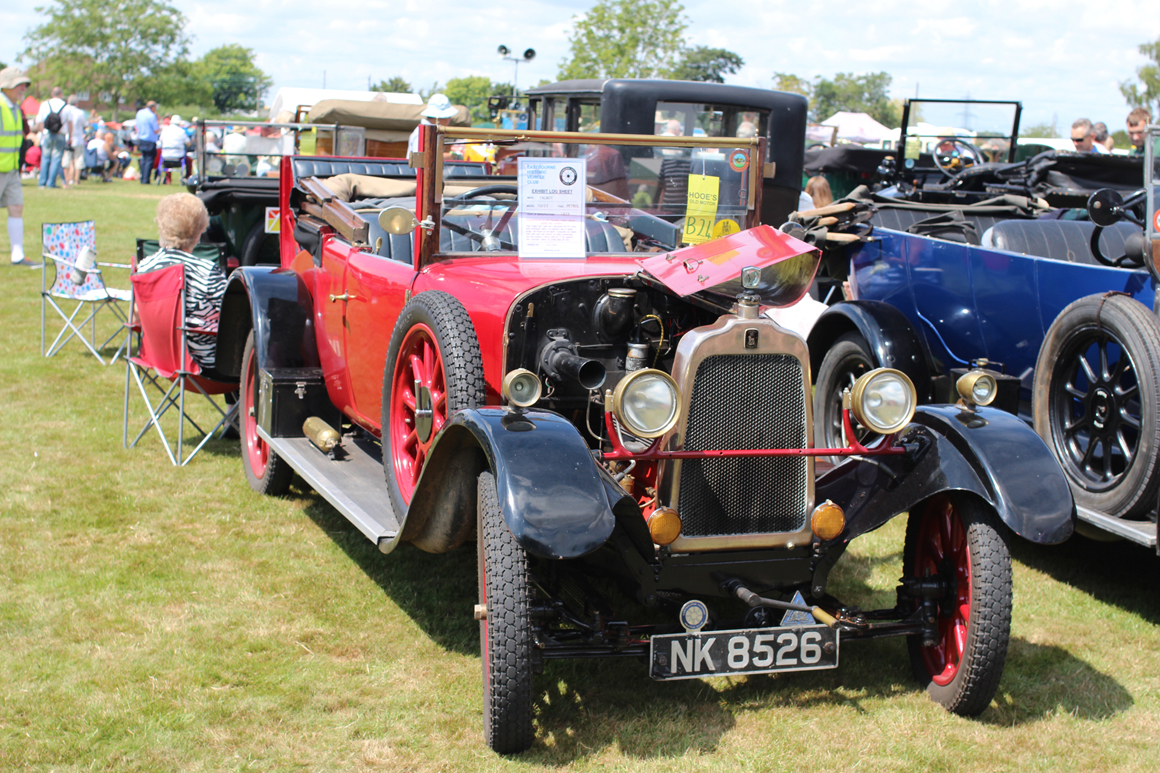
1059 57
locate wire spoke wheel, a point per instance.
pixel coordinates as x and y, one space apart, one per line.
958 541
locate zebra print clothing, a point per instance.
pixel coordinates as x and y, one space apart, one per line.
205 284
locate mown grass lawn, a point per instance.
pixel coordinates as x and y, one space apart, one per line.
156 619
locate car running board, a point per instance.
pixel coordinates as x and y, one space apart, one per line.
1140 532
353 481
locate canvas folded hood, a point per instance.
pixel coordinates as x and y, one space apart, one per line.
377 115
714 268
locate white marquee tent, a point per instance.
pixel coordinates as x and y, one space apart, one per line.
858 127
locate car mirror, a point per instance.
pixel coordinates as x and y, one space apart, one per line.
397 220
1105 207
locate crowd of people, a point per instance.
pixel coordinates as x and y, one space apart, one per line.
1091 137
66 143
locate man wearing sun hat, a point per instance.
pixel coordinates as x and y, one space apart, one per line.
13 83
439 110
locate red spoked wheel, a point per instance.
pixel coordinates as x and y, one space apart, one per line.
959 541
433 369
942 550
418 404
266 472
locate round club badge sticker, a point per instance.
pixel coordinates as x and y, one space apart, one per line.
739 160
1156 221
724 227
568 175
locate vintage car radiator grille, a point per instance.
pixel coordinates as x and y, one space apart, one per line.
742 402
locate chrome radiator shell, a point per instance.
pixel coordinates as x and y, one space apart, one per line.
745 384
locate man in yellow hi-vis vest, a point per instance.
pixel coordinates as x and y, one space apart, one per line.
13 83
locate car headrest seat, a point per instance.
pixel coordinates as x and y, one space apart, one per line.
1064 240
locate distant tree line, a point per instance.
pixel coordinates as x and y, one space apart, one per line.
868 93
1146 93
641 39
138 50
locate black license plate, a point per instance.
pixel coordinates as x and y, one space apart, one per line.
751 651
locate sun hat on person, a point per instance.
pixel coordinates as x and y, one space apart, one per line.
174 119
11 77
439 106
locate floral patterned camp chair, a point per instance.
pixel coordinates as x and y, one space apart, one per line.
78 288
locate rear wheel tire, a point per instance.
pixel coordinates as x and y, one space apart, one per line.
505 634
844 362
1097 382
266 472
961 541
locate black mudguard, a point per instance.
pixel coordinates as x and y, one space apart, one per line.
893 341
557 501
276 304
987 452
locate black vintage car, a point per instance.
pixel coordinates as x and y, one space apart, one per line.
684 108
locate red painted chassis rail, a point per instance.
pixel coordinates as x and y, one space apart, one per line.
653 453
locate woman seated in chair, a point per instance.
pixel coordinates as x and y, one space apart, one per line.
181 220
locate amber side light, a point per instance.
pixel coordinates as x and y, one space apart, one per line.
664 525
828 521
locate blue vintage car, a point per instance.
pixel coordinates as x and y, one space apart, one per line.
1060 305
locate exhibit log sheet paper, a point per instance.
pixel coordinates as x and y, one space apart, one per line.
552 207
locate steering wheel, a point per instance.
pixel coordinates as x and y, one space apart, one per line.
486 237
952 155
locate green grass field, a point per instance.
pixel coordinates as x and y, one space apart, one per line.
163 619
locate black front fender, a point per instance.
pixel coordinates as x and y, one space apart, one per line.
893 341
557 501
987 452
276 304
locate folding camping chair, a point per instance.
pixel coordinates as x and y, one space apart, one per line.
71 249
163 355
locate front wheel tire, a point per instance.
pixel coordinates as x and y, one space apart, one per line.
434 368
960 541
505 633
844 362
1096 385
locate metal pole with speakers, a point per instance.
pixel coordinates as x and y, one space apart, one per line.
505 54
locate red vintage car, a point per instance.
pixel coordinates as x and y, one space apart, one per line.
585 384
